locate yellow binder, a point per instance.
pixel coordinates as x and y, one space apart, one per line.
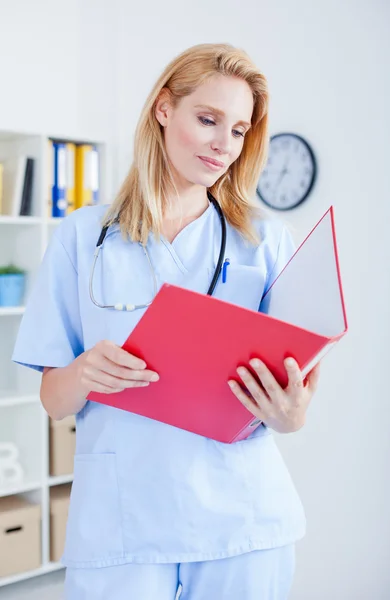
83 176
70 178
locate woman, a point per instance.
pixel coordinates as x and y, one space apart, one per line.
154 509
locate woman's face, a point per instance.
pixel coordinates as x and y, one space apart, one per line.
211 123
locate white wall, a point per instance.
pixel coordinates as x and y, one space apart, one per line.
57 67
83 68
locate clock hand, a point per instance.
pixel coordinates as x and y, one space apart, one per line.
285 170
283 173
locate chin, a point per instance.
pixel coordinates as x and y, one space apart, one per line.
205 180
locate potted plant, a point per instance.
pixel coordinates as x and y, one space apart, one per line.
12 284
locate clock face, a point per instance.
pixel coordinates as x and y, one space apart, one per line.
289 174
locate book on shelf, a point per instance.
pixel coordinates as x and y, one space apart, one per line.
17 184
26 208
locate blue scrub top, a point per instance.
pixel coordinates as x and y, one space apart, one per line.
144 491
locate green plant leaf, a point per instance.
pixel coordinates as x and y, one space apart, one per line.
11 270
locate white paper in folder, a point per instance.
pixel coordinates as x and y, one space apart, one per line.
308 292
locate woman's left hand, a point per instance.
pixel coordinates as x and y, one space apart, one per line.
281 409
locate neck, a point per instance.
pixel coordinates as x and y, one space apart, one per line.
187 206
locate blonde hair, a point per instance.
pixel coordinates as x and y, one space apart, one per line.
142 199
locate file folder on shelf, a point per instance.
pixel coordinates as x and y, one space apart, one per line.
95 172
70 177
59 202
83 186
87 175
50 177
196 342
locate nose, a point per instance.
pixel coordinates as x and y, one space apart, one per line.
222 142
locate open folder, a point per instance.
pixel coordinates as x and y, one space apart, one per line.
196 342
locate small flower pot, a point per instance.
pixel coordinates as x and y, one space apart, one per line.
12 289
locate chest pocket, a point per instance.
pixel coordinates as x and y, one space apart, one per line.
244 286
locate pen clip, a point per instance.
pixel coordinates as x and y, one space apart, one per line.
224 269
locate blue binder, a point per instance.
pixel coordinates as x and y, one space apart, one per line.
59 202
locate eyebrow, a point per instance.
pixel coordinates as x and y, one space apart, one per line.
220 113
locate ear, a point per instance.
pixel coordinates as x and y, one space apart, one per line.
162 107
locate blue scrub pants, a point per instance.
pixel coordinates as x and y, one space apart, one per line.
257 575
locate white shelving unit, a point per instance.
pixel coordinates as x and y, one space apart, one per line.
23 421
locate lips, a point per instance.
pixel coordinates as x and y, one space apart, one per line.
212 161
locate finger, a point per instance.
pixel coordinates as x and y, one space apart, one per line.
246 400
103 389
295 378
253 387
98 377
105 364
120 356
109 380
95 386
313 378
268 381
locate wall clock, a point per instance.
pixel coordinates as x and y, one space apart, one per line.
289 174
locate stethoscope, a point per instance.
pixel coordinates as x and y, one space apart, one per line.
131 307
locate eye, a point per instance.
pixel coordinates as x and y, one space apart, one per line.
206 121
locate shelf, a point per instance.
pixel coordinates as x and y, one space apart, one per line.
54 220
17 399
60 479
16 136
7 220
24 423
10 311
43 570
20 489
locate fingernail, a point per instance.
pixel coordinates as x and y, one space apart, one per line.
155 377
241 371
255 363
144 383
289 362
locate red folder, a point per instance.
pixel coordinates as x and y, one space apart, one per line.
196 342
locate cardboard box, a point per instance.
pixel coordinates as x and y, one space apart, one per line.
20 535
59 506
62 445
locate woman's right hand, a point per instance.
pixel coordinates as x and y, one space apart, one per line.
107 368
